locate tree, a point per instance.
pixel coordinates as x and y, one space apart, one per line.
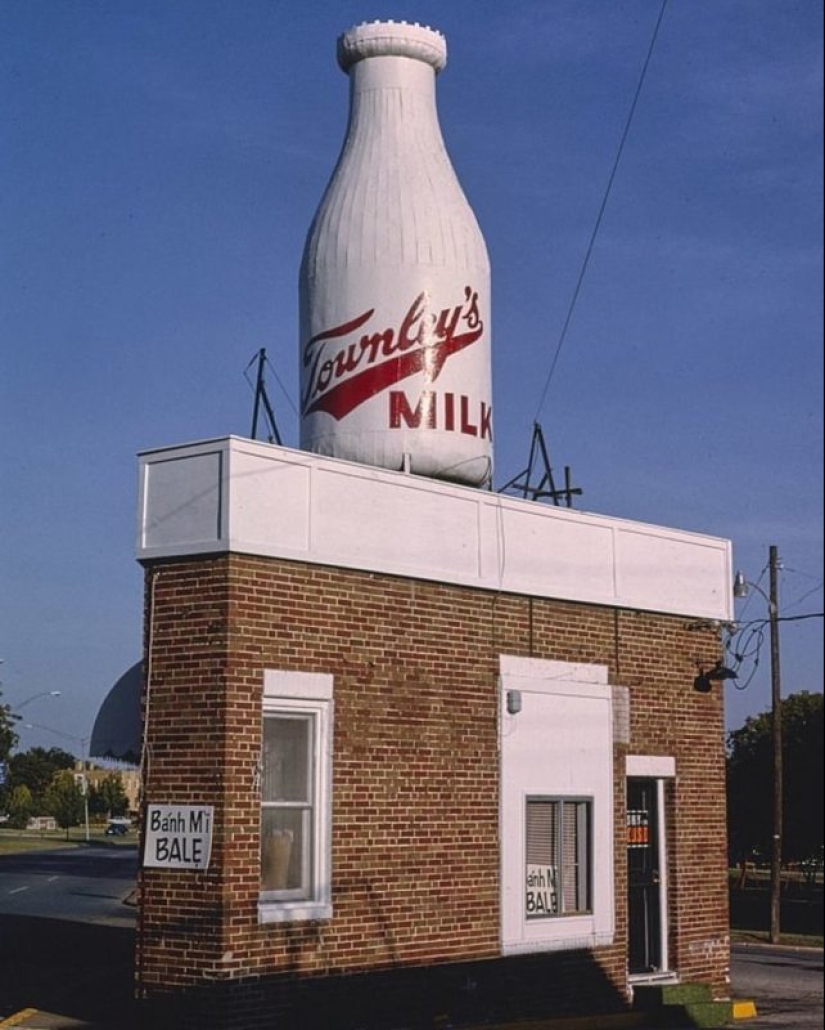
8 740
750 782
36 768
20 807
8 737
64 800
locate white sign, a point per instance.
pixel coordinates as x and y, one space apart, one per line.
178 836
541 898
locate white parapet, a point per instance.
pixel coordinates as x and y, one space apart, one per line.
243 496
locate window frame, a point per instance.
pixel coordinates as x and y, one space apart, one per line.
294 695
583 843
306 808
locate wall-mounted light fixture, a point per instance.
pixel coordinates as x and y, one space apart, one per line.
513 702
705 680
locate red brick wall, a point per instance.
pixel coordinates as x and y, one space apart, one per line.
415 770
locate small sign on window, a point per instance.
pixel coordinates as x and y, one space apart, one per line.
178 836
541 899
638 828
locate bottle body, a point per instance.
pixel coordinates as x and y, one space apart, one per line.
395 280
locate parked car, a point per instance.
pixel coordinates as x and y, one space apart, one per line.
116 829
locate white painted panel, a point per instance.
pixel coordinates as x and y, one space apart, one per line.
282 503
397 525
655 767
673 571
576 557
270 502
559 744
181 501
550 677
316 686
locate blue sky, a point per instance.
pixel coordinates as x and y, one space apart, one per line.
161 161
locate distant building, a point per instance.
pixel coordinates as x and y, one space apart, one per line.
42 823
129 776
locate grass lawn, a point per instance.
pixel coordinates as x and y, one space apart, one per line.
788 940
15 841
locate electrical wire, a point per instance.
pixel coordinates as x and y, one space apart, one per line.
757 589
271 367
747 641
284 390
600 215
802 597
784 618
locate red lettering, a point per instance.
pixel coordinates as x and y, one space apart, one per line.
424 410
445 329
449 411
466 425
414 317
337 384
486 431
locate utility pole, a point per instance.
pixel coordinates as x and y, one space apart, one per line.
776 713
740 589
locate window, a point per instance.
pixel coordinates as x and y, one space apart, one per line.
295 797
287 797
558 853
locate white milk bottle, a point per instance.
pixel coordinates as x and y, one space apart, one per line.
395 279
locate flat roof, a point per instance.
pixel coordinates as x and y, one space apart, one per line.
233 494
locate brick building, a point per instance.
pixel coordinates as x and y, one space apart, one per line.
440 751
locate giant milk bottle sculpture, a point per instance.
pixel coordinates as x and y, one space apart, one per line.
395 279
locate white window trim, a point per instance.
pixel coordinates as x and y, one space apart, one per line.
538 677
650 767
310 694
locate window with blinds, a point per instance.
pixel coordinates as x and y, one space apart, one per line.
558 851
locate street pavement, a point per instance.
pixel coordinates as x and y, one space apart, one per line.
785 983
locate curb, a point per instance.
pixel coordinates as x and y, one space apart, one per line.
36 1019
17 1018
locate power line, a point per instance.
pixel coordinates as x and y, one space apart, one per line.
597 226
786 618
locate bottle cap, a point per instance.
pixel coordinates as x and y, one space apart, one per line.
392 39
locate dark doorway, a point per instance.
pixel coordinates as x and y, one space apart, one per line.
644 877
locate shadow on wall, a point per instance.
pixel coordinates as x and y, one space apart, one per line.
449 995
85 972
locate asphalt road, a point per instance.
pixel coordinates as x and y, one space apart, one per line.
85 885
67 946
785 984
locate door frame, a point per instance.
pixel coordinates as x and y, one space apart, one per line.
660 769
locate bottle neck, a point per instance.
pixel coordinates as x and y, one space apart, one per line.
392 73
